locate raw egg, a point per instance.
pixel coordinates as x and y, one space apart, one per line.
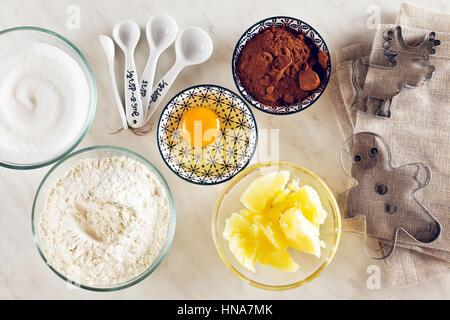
199 126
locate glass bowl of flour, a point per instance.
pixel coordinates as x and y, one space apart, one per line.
47 97
103 218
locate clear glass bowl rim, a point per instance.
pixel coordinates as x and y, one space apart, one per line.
92 102
337 223
170 235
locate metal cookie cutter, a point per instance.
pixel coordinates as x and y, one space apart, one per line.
404 66
385 195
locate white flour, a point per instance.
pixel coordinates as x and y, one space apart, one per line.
105 221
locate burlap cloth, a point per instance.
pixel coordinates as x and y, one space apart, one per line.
418 130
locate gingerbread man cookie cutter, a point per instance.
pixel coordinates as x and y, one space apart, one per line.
403 66
385 195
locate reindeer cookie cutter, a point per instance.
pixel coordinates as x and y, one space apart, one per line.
407 66
385 195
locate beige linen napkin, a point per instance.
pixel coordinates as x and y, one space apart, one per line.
417 130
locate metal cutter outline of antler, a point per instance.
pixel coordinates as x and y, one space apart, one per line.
401 56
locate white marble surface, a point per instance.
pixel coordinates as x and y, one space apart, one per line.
192 269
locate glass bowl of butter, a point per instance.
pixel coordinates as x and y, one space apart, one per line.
276 225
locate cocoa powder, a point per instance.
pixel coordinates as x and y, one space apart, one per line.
280 66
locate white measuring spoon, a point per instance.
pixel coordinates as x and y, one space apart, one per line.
126 34
193 46
108 47
161 32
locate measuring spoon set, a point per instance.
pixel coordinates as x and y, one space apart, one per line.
192 46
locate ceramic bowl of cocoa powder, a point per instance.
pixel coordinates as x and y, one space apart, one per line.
281 65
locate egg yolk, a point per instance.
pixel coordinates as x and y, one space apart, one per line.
200 126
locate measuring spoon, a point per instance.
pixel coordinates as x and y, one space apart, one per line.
108 47
126 34
161 32
192 46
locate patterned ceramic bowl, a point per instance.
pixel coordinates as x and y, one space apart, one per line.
297 25
230 152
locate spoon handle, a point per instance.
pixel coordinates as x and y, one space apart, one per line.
147 79
112 75
133 102
161 89
108 47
